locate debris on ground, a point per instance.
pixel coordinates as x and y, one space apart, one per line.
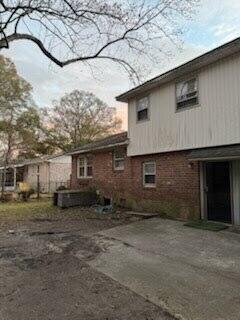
45 275
105 209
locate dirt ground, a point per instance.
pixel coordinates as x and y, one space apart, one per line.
44 271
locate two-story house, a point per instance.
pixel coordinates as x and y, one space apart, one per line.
183 144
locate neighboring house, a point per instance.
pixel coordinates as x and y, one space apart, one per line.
183 146
53 171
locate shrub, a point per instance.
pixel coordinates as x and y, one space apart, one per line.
25 195
6 197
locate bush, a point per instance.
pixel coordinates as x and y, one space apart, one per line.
25 195
6 197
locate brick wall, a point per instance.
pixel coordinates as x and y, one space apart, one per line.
105 178
177 183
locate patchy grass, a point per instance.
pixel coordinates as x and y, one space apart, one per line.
44 209
24 210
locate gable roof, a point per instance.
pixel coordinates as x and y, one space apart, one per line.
212 56
105 143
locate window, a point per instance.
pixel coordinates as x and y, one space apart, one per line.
143 109
118 158
187 93
9 178
85 169
81 167
89 167
149 174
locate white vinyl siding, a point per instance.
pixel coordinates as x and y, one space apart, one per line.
215 122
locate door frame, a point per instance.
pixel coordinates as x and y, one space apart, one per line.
203 189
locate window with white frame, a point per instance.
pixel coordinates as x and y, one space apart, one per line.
149 174
118 159
142 108
187 93
85 169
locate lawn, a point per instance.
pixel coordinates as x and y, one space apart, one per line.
44 209
41 209
24 210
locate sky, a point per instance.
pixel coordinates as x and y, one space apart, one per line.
215 22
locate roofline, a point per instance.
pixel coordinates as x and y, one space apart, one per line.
56 156
205 59
12 166
16 165
214 158
34 161
109 146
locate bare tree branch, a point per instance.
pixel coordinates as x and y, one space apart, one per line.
78 31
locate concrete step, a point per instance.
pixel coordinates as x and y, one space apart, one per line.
143 215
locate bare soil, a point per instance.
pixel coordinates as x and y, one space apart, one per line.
44 271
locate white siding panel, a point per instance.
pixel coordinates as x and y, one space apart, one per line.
61 159
216 121
31 176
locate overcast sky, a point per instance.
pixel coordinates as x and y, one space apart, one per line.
216 22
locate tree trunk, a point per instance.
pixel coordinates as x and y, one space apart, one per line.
3 179
6 162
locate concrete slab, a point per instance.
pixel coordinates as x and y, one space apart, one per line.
194 274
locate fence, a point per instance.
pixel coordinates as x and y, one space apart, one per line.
49 187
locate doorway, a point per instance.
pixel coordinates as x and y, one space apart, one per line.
218 191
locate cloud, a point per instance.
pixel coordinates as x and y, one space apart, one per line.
50 82
226 32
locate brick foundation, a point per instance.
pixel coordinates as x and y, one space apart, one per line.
177 188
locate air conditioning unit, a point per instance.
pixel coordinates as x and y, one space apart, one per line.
72 198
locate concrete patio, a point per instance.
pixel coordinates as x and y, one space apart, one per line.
194 274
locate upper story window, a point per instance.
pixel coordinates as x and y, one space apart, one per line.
118 158
85 169
149 174
187 93
142 107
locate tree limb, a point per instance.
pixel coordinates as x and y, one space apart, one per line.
86 30
25 36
